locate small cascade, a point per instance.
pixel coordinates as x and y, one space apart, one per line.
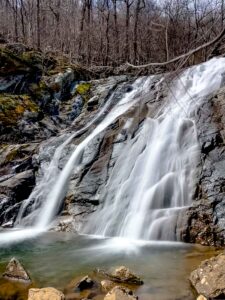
153 176
48 194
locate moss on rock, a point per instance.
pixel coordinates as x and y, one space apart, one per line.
12 108
83 89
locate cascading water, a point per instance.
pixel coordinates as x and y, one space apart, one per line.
153 174
153 177
52 188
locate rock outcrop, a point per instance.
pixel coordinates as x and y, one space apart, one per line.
203 222
48 293
15 271
209 278
40 96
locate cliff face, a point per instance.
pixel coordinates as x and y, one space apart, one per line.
41 107
204 221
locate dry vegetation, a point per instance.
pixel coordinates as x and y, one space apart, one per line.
112 32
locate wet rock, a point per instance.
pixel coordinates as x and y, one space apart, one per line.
19 186
122 274
64 224
8 224
120 293
15 271
84 284
48 293
209 278
107 285
92 103
77 107
204 221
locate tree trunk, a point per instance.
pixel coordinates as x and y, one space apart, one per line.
38 26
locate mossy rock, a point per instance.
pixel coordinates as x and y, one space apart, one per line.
84 90
12 64
12 108
39 90
26 62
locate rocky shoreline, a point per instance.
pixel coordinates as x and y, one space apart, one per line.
118 283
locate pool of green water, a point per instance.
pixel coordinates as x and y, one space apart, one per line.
59 259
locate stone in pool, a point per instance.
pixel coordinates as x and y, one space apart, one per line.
84 284
15 271
209 278
120 293
107 285
122 274
48 293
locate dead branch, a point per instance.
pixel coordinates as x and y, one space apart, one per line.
191 52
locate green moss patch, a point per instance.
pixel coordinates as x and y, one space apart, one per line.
84 90
12 108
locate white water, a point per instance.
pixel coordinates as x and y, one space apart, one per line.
43 191
152 178
154 174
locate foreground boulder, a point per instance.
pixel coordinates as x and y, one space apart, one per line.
209 278
48 293
122 274
15 271
120 293
200 297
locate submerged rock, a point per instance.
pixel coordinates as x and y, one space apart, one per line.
48 293
85 283
122 274
107 285
209 278
120 293
15 271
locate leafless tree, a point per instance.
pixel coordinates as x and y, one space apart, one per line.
113 32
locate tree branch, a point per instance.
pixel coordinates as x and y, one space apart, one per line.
191 52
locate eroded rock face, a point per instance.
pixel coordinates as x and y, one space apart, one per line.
204 223
48 293
209 278
15 271
120 293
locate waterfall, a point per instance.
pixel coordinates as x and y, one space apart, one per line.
153 175
50 191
